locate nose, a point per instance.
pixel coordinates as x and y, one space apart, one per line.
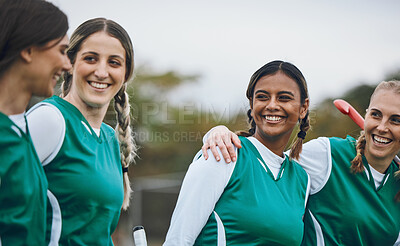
67 64
272 105
382 126
101 71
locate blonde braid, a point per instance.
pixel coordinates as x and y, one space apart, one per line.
357 163
127 145
297 145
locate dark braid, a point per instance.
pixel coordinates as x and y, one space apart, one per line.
252 124
297 145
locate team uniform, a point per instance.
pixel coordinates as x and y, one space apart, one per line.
257 200
23 187
346 208
84 175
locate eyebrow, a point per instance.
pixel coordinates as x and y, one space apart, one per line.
97 54
279 93
375 109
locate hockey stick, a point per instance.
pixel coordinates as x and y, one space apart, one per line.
347 109
139 236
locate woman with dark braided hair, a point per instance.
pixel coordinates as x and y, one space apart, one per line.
86 161
355 196
259 199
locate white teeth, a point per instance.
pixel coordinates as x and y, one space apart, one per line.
56 77
98 85
273 118
381 140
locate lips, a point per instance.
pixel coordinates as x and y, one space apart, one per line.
98 85
273 118
381 140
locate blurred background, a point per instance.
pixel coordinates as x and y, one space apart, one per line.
194 60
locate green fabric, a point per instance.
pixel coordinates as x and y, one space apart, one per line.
256 209
349 209
86 178
23 187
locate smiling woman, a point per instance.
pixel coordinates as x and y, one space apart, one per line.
33 42
86 161
271 187
355 196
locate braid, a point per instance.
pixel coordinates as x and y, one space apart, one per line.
297 145
252 129
356 163
66 84
126 141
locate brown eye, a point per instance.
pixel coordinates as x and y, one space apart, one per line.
261 96
90 59
396 120
115 63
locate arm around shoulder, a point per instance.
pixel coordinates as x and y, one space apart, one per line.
316 160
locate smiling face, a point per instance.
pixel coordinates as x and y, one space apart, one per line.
276 108
46 66
98 72
382 127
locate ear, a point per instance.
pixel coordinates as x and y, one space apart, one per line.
26 54
251 106
304 108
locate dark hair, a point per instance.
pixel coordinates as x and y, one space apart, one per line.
121 99
293 72
25 23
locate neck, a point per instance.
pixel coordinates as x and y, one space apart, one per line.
379 164
94 115
14 98
277 145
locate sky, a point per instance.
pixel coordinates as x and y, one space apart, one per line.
336 44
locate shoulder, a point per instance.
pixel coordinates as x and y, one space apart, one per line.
339 145
211 169
10 134
107 128
45 114
10 137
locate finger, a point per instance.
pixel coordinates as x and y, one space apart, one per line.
236 141
230 148
215 152
224 151
204 150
